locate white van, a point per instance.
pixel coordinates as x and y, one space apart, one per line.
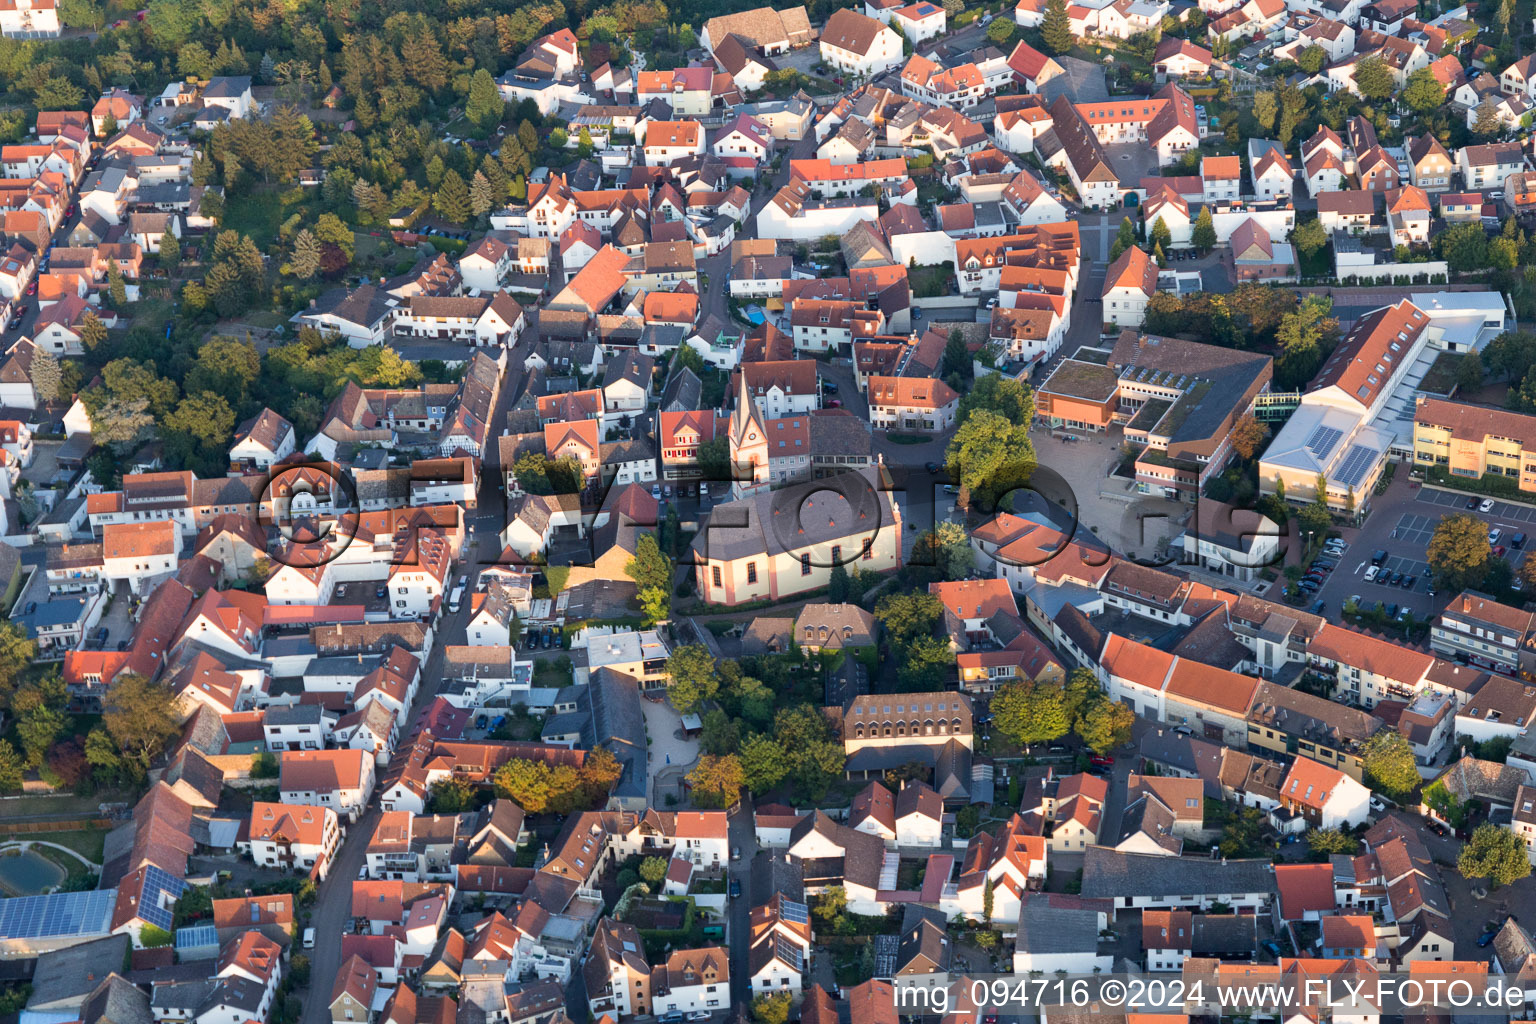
309 938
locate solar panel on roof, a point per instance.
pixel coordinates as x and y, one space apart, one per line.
1356 464
789 953
1323 441
791 911
64 913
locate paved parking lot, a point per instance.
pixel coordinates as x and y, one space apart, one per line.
1504 514
1415 530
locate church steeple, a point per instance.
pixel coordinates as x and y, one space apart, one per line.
749 445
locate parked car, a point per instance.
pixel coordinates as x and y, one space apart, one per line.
836 403
829 386
1472 503
1396 579
1372 573
1494 535
931 467
1309 585
309 938
1392 610
1487 937
735 888
1486 505
1317 607
1100 761
1436 827
1378 556
1409 581
1272 948
1517 541
735 853
1499 551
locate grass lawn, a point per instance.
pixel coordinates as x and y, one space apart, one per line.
258 212
87 843
931 282
67 803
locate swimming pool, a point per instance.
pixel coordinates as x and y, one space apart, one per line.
27 872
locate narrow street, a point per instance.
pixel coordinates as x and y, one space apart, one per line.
331 916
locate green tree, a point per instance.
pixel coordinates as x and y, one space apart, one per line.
227 367
304 261
1030 712
482 197
1494 853
1311 59
46 374
1204 233
1373 78
485 107
40 718
763 763
717 780
957 358
12 768
653 870
1310 237
16 652
170 252
1124 239
952 547
1159 234
908 617
1487 123
1423 92
1331 840
1265 109
451 795
720 734
772 1008
452 199
141 716
101 751
837 585
1463 246
692 675
649 567
1106 725
990 456
1056 28
1001 31
925 664
1387 760
1458 551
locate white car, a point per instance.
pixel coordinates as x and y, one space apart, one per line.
1486 506
1372 573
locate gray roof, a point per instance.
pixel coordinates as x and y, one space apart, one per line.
294 714
772 522
683 391
64 978
1047 925
227 86
618 723
116 1001
1108 874
1223 934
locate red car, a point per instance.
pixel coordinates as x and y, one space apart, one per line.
32 288
1100 761
836 403
1500 551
